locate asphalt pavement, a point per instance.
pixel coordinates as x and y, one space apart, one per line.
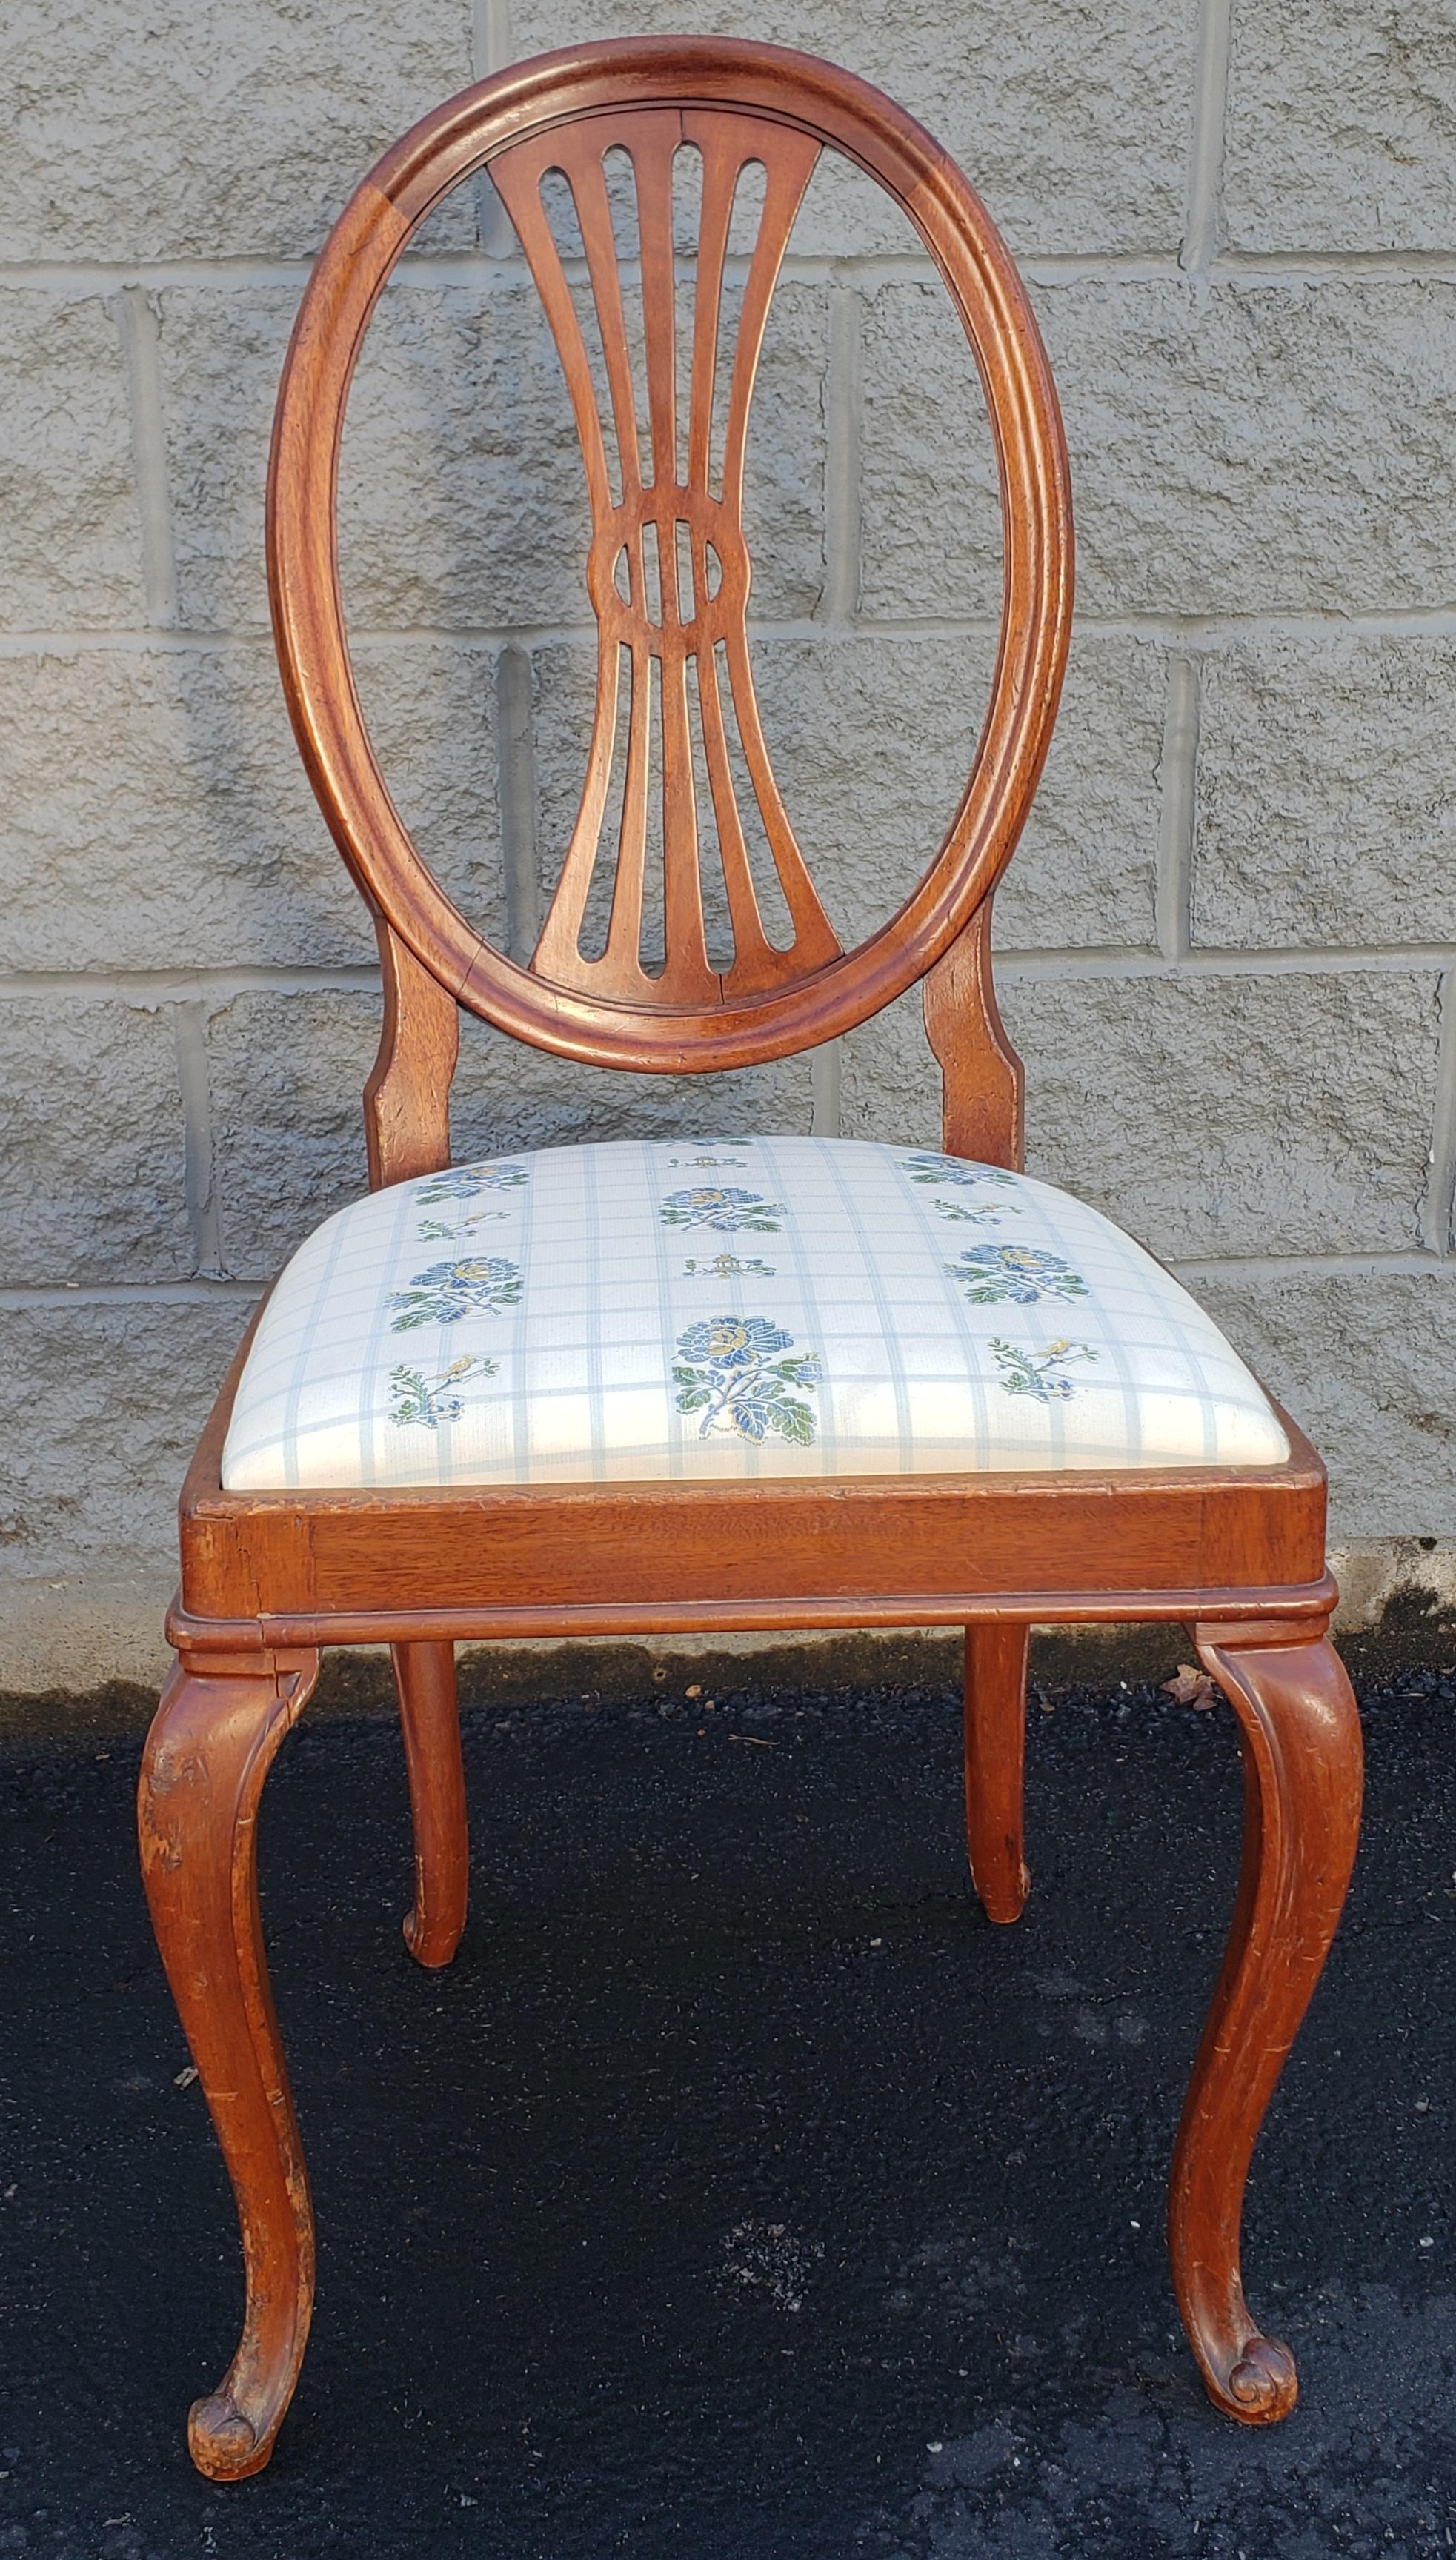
740 2193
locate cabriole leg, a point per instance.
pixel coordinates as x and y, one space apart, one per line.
1302 1760
209 1748
996 1740
431 1717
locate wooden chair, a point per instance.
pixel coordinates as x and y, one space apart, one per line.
736 1522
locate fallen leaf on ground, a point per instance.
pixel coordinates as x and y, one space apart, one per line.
1190 1687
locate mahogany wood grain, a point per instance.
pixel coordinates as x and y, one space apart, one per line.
406 1101
995 1754
208 1751
665 621
982 1081
267 1578
1301 1757
429 1716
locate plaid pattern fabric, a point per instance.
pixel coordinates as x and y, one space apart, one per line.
729 1307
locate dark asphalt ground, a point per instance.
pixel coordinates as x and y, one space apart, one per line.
740 2193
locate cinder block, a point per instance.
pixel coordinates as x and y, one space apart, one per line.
890 1082
1341 126
1072 125
431 708
1208 1115
1086 869
100 1407
462 499
220 352
286 1076
186 835
1287 1114
931 519
91 1146
70 531
1324 808
1277 446
1366 1362
507 1095
199 129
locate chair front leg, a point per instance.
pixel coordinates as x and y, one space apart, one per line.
208 1753
429 1716
1302 1760
995 1759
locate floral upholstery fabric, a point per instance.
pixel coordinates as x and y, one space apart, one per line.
729 1307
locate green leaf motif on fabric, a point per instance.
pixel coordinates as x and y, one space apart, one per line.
951 1173
431 1401
449 1290
431 1231
727 1373
975 1217
723 1212
1042 1376
465 1183
1022 1273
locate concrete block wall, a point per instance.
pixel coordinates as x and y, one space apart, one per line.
1227 940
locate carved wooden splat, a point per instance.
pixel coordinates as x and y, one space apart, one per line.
668 572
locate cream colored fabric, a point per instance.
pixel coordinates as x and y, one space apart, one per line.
726 1308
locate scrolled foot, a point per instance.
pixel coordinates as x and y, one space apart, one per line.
1300 1735
224 2442
1261 2388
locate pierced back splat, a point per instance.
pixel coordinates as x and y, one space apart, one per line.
676 548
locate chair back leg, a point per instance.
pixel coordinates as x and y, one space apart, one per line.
995 1745
1302 1761
208 1751
429 1716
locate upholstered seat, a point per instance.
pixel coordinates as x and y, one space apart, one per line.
721 1308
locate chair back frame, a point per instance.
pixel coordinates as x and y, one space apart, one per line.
668 576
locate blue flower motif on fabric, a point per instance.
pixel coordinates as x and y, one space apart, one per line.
1045 1375
723 1212
1023 1273
729 1374
467 1182
431 1401
449 1290
952 1173
729 1266
954 1169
